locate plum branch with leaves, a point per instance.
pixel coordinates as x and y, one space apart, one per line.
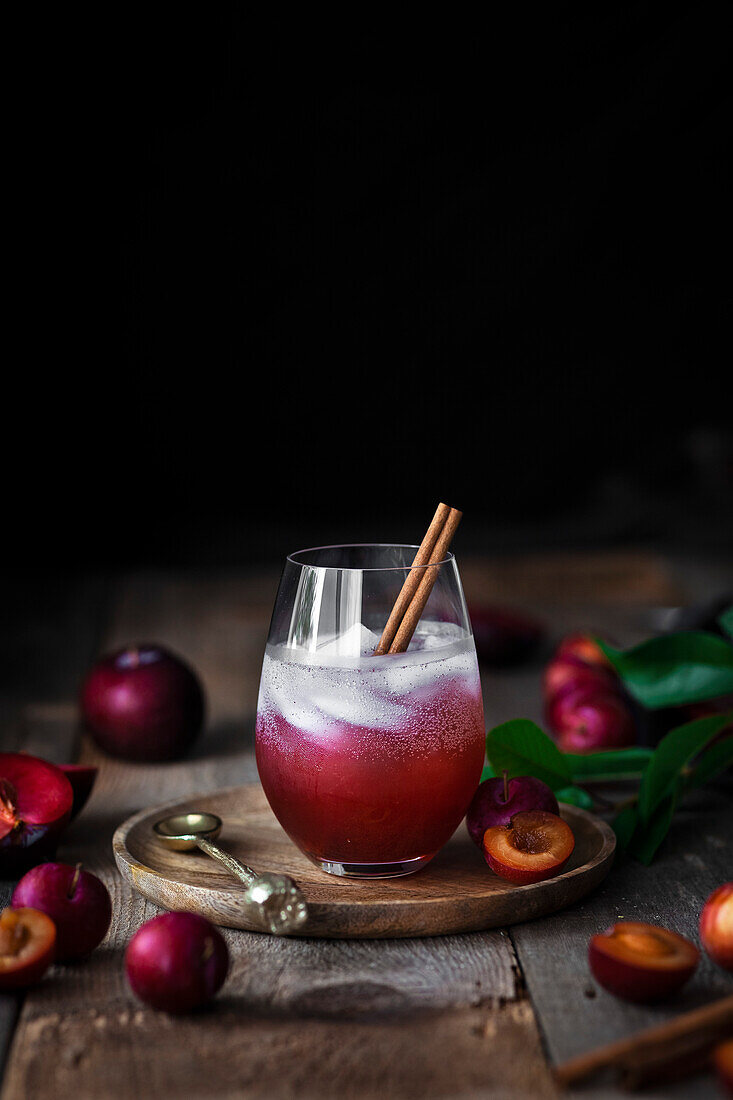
672 670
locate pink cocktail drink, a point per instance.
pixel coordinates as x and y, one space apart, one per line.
370 763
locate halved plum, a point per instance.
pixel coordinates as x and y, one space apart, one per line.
641 962
35 806
27 944
534 846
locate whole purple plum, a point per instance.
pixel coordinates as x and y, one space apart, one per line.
143 703
176 962
497 800
76 901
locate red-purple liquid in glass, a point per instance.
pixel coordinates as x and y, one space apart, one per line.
373 763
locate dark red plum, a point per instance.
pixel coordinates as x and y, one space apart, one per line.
585 648
571 674
586 723
82 778
504 637
143 703
716 925
76 901
497 800
35 807
176 962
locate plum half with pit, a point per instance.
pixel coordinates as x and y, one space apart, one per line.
176 962
143 703
641 962
534 846
76 901
497 800
35 806
27 943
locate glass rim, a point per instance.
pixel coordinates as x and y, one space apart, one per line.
293 557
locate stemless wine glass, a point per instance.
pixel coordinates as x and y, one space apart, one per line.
369 763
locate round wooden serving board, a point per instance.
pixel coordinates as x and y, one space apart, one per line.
456 892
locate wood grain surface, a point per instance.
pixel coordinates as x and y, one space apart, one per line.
696 857
455 893
455 1016
306 1017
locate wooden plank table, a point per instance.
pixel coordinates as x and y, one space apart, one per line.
457 1016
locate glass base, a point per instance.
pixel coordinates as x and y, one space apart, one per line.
370 870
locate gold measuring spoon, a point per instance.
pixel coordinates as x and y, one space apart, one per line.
275 900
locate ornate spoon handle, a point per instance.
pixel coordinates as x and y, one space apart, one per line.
274 899
239 870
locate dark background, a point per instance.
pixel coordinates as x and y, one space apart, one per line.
294 283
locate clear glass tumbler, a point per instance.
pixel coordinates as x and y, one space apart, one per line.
369 763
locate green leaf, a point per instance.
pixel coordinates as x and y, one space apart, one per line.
575 796
603 764
522 748
726 621
624 825
650 834
487 773
672 754
712 762
675 668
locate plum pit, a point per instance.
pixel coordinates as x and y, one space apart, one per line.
530 836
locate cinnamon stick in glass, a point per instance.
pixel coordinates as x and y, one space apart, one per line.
413 578
419 582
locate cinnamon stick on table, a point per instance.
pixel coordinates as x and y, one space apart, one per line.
419 582
647 1056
